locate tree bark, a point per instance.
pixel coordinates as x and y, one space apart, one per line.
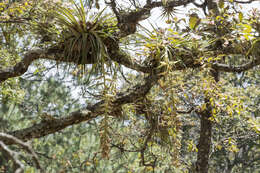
204 145
50 126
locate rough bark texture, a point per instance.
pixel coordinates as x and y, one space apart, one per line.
204 145
52 125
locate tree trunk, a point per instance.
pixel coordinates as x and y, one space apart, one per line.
202 164
205 140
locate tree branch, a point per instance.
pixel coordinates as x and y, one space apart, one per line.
170 3
6 138
21 67
185 111
240 68
46 127
245 2
16 20
127 21
19 167
125 59
118 56
57 55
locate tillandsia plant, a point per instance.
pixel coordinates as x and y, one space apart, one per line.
168 12
84 34
166 49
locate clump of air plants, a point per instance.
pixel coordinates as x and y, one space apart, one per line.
84 35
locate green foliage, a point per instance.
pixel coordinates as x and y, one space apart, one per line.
150 130
10 90
194 21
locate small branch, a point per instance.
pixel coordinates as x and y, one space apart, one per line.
238 69
122 149
14 157
6 138
185 111
245 2
124 77
15 20
141 150
127 21
148 138
112 4
44 155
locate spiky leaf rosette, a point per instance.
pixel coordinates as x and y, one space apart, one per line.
168 12
83 34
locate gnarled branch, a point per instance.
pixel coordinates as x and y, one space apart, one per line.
46 127
57 55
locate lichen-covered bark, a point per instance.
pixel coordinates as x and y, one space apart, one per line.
50 126
204 145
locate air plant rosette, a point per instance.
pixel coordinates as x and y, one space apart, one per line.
85 36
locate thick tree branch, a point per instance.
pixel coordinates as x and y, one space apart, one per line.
57 55
125 59
170 3
46 127
204 144
21 67
118 56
